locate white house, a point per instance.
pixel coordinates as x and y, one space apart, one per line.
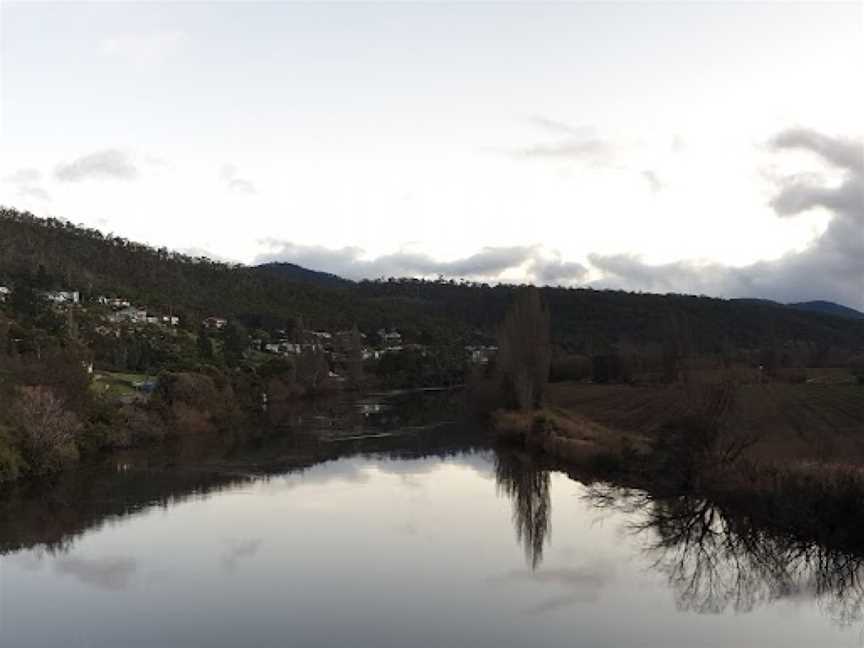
481 354
114 302
390 339
130 314
64 296
4 293
215 322
283 348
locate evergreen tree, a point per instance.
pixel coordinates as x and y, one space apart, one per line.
204 345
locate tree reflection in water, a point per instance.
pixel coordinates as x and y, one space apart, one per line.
519 479
716 561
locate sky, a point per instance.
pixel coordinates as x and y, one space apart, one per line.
705 147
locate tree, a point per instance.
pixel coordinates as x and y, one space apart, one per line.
524 350
46 430
355 357
204 345
234 344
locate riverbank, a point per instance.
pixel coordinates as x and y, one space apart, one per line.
791 456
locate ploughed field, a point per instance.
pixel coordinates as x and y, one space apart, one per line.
808 421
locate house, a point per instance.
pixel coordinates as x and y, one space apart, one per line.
390 339
282 347
130 314
370 354
215 323
64 296
171 320
4 293
481 354
151 319
114 302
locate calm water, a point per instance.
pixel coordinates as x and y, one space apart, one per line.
371 528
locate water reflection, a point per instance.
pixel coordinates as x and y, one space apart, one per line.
391 482
53 516
716 561
527 486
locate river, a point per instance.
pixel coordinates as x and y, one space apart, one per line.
381 523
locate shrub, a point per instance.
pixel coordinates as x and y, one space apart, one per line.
45 431
11 463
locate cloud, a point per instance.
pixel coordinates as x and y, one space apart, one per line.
145 49
556 127
831 267
653 180
24 176
573 148
237 550
28 183
581 584
108 163
229 176
112 574
535 262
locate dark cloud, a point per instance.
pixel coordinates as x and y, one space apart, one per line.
28 183
843 152
234 182
832 267
540 266
113 574
110 163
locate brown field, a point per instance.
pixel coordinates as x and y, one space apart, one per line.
810 421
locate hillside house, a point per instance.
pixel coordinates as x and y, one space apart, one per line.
116 303
481 354
131 314
282 347
4 293
390 339
63 296
215 323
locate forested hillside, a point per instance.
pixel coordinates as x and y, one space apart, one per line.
64 256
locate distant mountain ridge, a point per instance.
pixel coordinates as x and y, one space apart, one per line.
829 308
299 274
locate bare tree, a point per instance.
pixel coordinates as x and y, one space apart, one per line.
46 429
524 349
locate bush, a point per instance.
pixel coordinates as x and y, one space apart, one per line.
45 431
11 463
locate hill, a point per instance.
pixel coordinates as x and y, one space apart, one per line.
829 308
58 255
299 274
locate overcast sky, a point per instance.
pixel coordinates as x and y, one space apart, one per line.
698 147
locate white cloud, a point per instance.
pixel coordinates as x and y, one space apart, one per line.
234 182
